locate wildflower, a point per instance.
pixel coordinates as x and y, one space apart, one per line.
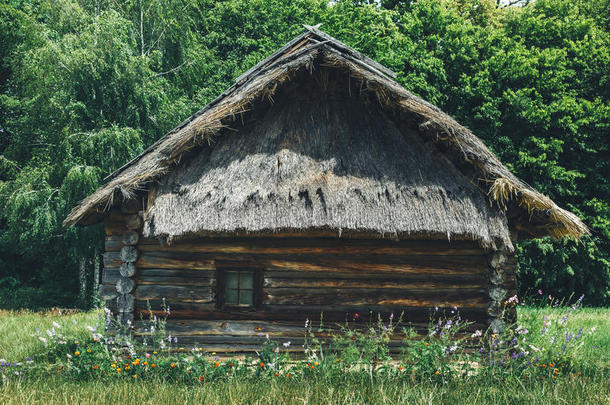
276 374
43 340
113 365
316 364
173 365
427 344
258 328
118 370
145 363
230 364
154 352
437 372
400 368
540 292
216 364
551 364
56 325
476 334
543 365
126 366
95 367
288 375
338 360
286 344
200 378
213 353
153 365
262 364
135 376
88 350
147 355
550 297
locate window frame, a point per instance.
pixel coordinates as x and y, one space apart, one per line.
221 285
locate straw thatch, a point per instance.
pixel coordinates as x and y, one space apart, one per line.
266 176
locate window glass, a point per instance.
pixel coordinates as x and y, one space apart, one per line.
246 280
239 287
231 297
232 279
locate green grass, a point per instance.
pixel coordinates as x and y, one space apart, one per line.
17 342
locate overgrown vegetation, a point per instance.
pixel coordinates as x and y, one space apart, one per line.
555 352
86 85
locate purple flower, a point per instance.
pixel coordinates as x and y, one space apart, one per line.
523 331
578 334
550 297
392 316
540 292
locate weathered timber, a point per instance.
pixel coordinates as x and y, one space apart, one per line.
112 259
125 302
331 313
107 292
129 254
125 285
179 273
272 282
312 247
110 275
130 238
128 269
113 243
133 221
175 293
177 281
176 261
373 296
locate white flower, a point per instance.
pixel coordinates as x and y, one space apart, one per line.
43 340
277 350
477 334
74 321
286 344
534 348
69 356
91 328
55 324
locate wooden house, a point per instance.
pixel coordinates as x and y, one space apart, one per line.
315 184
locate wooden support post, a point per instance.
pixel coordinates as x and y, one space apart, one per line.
126 284
497 292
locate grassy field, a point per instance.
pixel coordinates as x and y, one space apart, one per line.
17 342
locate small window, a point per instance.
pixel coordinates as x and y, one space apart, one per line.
238 287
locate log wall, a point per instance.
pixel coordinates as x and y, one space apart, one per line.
302 278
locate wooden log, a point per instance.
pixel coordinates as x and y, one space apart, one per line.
174 262
114 228
129 254
107 292
112 259
130 238
336 313
112 243
125 285
110 275
465 278
270 282
125 302
175 293
314 246
329 264
133 221
181 273
177 281
128 269
373 296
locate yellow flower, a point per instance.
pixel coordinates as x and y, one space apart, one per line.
76 353
213 353
172 365
154 352
135 376
316 363
153 365
118 370
437 372
88 350
113 365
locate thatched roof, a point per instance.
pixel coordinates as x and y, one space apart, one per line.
318 136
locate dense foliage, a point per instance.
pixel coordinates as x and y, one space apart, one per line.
86 85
